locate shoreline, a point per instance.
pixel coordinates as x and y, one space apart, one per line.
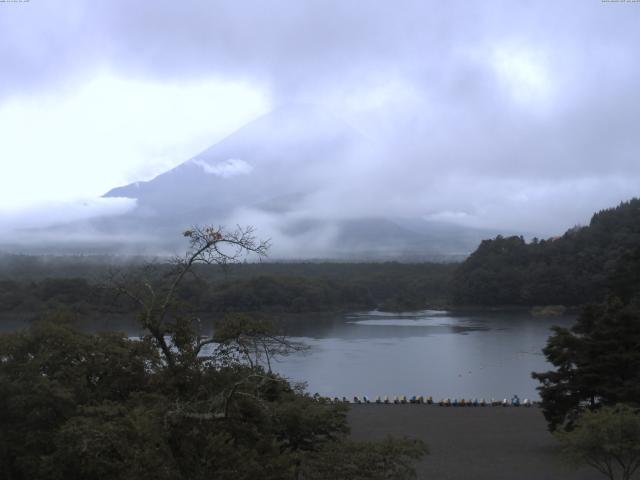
568 310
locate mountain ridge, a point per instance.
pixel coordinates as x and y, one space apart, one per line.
294 174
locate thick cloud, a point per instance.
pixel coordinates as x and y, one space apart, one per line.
495 113
299 46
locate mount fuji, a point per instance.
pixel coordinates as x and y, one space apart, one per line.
293 174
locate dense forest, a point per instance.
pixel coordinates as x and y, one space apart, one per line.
582 266
32 285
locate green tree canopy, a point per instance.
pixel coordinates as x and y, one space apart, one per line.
597 362
607 439
582 266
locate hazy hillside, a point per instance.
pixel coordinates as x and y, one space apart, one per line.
582 266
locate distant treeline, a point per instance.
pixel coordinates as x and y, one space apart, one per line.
583 266
266 287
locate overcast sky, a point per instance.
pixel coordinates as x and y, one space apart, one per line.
515 114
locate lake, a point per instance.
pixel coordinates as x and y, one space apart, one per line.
421 353
443 354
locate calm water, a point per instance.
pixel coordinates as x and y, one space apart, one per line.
421 353
418 353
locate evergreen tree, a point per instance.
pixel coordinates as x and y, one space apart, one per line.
578 268
597 362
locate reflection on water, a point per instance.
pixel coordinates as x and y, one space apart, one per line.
423 353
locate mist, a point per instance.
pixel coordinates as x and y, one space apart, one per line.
495 117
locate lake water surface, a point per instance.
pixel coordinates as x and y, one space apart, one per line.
443 354
421 353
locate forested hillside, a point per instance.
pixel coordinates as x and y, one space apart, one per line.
582 266
32 285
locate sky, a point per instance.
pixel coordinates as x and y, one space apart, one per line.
498 114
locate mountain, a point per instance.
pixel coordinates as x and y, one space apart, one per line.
294 174
255 164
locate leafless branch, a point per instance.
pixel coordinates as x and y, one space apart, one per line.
155 296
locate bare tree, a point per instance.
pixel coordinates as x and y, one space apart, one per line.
243 339
154 290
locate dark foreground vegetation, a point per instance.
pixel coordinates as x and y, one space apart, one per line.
597 362
182 404
78 406
175 404
591 398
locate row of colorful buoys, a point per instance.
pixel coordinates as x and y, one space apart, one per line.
444 402
514 402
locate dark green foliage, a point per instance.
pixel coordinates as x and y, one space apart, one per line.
77 406
597 363
625 280
47 375
607 439
582 266
266 288
325 287
289 294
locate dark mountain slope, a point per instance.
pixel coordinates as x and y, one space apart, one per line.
290 174
582 266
